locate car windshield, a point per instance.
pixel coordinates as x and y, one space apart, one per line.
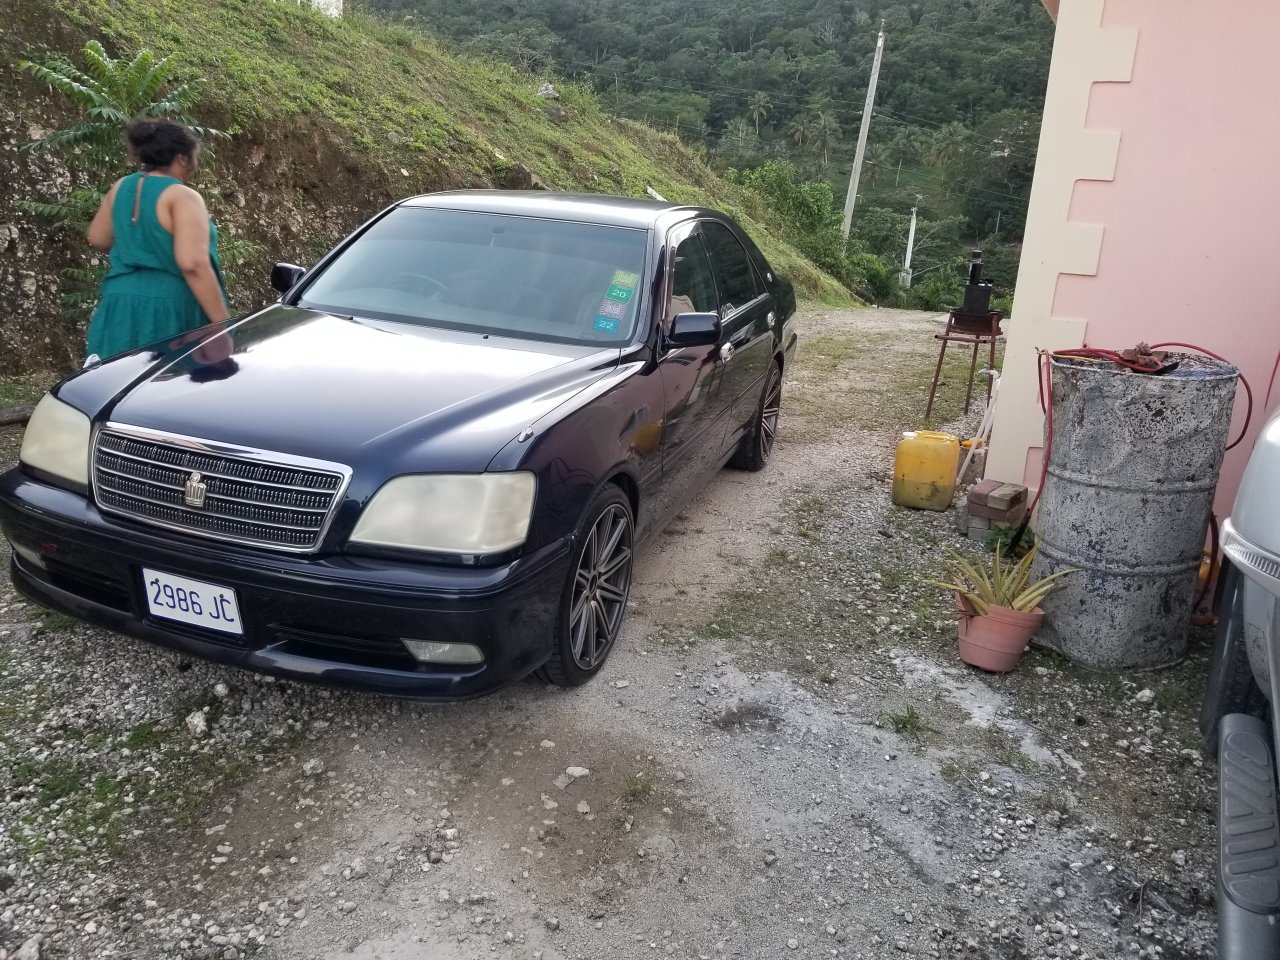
553 280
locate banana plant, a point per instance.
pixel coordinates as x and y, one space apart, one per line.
1006 584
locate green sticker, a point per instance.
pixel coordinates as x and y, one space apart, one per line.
619 293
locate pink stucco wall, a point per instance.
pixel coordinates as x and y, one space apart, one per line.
1191 249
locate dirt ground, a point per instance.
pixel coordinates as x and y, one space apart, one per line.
784 757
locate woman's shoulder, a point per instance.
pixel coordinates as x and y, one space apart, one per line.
179 193
115 187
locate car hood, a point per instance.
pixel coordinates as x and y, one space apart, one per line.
350 390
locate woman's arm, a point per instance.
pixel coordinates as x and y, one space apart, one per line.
191 251
101 234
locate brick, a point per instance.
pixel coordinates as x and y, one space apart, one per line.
979 492
1007 495
978 523
993 513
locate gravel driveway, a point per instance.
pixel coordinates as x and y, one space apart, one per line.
783 758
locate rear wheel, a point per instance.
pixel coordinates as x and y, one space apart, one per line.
757 445
594 601
1231 687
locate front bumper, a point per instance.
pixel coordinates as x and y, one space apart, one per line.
334 620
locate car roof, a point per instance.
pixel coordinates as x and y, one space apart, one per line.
583 207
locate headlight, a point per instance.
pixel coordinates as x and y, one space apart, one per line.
57 441
450 513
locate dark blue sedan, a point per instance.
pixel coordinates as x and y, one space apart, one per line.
423 471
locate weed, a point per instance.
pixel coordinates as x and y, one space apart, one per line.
909 723
717 631
144 736
636 787
54 622
826 676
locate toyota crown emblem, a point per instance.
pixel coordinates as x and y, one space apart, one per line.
193 495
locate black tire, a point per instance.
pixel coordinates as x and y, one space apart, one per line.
593 604
1231 687
757 446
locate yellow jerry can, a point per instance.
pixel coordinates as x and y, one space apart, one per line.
924 470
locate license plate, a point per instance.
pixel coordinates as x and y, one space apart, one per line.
190 601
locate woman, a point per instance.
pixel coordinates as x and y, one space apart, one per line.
164 279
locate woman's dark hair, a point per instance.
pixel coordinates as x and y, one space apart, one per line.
157 143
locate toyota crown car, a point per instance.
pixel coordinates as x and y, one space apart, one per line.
425 469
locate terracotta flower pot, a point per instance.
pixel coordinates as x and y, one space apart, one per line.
994 641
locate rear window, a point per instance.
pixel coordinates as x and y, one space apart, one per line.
538 279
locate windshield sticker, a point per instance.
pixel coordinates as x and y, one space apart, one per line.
613 308
623 286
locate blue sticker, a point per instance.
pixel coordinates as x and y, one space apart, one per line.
606 324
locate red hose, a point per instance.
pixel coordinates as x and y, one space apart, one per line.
1248 391
1266 405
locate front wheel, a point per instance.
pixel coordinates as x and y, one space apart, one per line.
594 600
757 445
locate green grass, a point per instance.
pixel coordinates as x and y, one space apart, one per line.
393 98
909 723
144 736
55 622
16 391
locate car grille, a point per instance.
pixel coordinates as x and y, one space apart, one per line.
247 497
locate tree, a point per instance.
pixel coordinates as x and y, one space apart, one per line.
738 142
110 93
877 163
800 129
826 132
760 106
948 145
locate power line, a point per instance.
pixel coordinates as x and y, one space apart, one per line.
738 91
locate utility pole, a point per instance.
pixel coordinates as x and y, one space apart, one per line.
904 278
852 198
997 230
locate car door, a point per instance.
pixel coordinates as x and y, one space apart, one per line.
695 404
747 312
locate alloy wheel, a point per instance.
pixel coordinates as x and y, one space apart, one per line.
769 415
601 584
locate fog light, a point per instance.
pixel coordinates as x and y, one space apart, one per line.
431 651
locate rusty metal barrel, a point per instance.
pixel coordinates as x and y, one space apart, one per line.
1133 465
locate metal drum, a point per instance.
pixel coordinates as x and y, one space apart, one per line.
1132 471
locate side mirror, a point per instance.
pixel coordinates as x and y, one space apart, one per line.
694 330
285 275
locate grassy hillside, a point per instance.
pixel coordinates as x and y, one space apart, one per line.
333 119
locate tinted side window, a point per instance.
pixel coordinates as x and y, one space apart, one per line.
693 288
737 279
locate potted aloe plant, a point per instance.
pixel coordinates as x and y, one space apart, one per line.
998 607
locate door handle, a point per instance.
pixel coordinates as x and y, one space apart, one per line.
771 319
727 352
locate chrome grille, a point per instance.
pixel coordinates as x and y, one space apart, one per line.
249 497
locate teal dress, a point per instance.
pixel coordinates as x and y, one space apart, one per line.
145 298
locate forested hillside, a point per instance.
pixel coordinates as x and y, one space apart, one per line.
777 87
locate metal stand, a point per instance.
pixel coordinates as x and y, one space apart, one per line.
968 329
